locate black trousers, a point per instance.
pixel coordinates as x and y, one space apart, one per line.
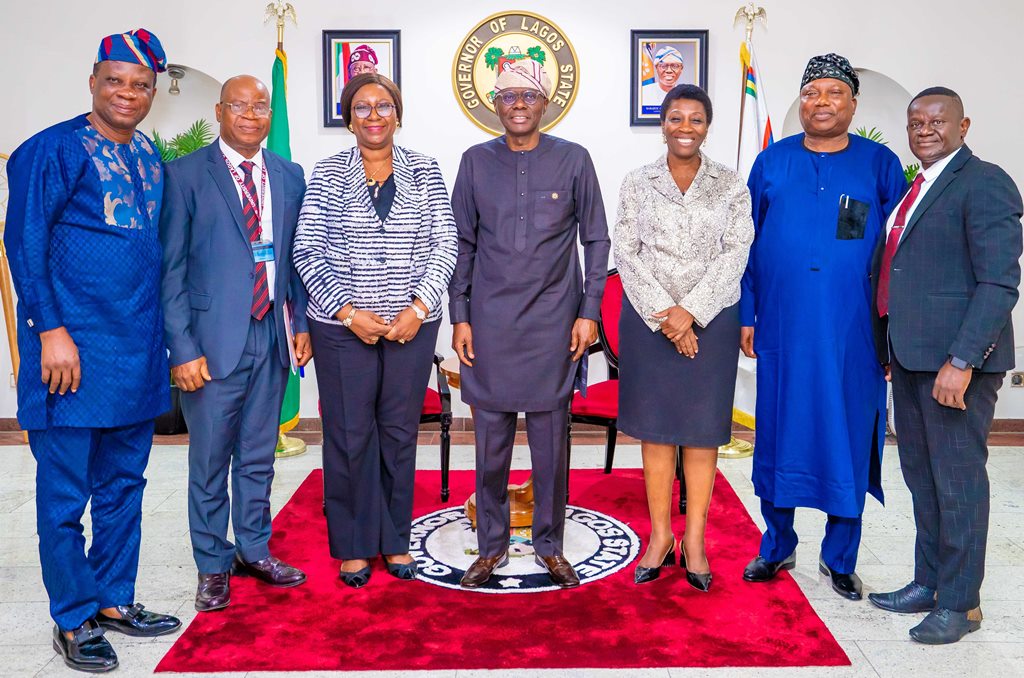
943 452
371 397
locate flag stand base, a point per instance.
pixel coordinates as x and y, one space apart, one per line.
288 446
736 449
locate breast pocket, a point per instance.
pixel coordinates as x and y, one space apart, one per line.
552 208
853 218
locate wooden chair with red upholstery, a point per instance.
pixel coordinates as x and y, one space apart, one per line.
437 408
601 406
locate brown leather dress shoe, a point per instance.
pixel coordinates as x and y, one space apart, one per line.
560 570
213 592
482 569
271 571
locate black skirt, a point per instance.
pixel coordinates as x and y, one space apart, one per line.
666 397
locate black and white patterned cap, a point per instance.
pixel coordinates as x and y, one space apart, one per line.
831 66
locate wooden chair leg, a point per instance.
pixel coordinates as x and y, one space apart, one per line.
682 480
446 454
609 453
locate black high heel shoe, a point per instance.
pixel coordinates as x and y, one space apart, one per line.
403 571
701 582
357 579
642 575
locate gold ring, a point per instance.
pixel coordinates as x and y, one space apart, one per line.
401 341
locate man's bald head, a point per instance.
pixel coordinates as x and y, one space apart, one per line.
242 80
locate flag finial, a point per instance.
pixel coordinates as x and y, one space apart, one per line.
751 13
280 11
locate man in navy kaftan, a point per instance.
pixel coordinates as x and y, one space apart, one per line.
820 201
85 258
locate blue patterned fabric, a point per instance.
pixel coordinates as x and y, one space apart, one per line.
84 251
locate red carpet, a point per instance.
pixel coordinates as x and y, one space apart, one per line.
610 623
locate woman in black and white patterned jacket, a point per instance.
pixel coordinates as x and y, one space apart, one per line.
376 247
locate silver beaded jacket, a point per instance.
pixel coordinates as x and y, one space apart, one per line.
681 249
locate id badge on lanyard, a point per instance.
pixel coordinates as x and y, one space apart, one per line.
262 249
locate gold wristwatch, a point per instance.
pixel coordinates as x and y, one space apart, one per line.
347 322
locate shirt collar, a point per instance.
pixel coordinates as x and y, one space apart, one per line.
236 158
933 172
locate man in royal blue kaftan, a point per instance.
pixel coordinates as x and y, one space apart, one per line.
85 258
820 201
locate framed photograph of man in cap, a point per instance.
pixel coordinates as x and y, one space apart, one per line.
349 53
660 60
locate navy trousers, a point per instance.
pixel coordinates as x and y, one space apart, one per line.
943 452
233 423
838 548
371 397
74 466
495 436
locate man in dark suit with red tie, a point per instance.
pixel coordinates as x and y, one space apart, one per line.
947 278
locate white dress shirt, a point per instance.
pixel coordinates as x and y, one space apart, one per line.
930 175
266 213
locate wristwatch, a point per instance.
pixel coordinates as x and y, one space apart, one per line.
420 313
347 322
960 363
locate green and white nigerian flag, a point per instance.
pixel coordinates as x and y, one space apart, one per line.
278 142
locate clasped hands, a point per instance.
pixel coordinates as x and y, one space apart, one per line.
677 326
370 327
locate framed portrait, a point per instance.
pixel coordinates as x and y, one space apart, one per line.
660 60
349 53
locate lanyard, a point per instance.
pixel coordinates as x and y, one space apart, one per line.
256 208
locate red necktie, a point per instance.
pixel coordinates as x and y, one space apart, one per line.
260 289
892 242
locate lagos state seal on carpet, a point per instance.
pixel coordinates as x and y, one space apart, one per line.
444 545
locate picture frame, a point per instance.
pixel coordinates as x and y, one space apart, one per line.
348 53
660 60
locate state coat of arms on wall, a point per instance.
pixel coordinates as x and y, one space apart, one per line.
501 40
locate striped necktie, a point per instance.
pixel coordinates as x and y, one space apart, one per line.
260 289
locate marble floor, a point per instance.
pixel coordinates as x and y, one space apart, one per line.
876 642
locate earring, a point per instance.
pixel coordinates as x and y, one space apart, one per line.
664 139
350 128
398 123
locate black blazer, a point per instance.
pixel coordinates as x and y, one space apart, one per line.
954 277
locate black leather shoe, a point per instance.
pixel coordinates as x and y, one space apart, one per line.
87 651
213 591
699 581
357 579
642 575
481 570
403 571
135 621
911 598
943 626
271 571
847 585
760 570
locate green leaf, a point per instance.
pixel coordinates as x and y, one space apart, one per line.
492 55
910 172
197 136
874 134
167 153
537 54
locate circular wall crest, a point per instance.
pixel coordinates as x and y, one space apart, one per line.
503 39
444 545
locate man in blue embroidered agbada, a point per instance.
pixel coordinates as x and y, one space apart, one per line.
820 200
81 234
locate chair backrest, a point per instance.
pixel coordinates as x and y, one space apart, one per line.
611 309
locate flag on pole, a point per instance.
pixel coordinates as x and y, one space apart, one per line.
755 125
278 141
755 136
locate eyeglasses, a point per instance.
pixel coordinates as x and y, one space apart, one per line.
260 109
672 67
384 109
509 98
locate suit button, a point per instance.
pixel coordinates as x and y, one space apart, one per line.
251 276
